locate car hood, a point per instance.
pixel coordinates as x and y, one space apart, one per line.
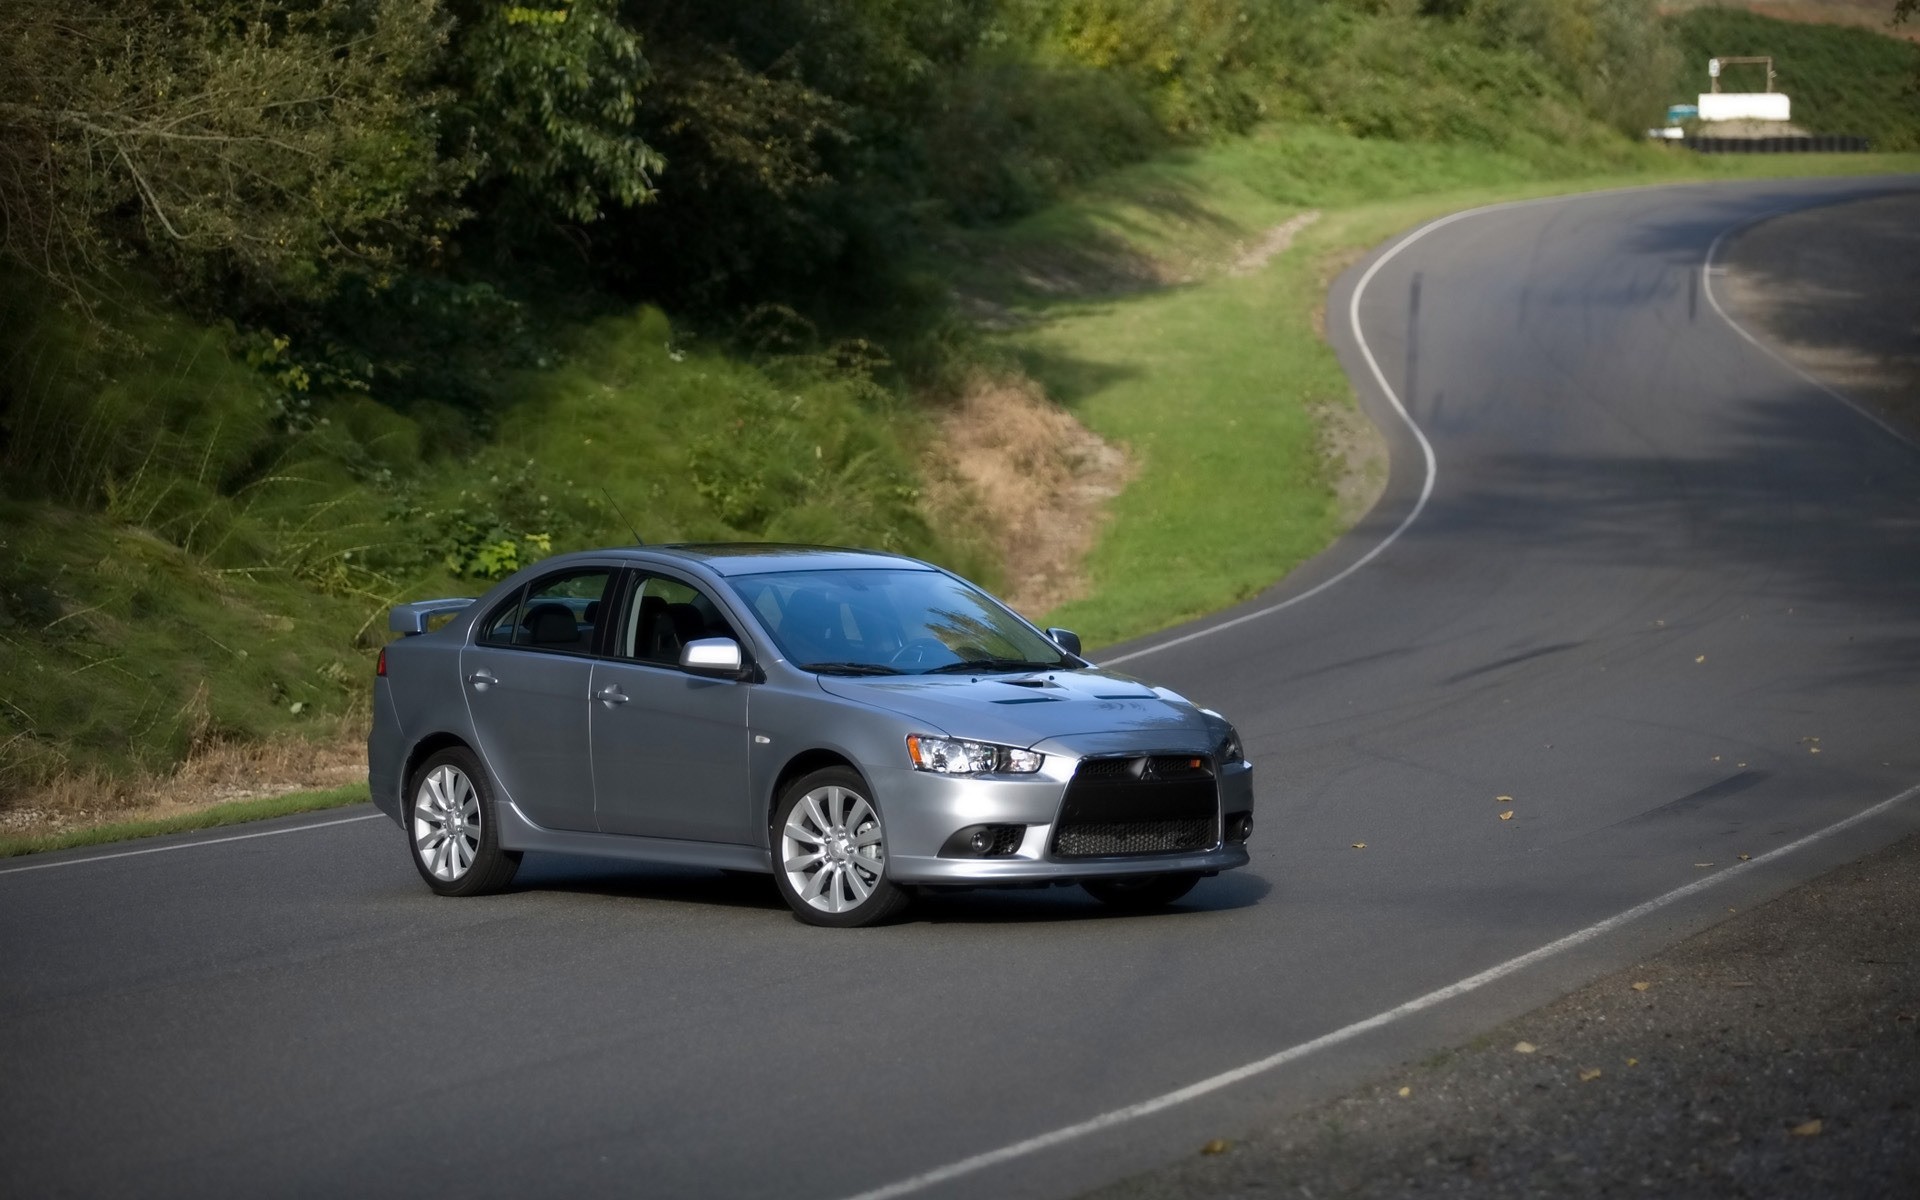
1026 709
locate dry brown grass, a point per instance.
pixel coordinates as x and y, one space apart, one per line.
1273 244
1036 477
216 772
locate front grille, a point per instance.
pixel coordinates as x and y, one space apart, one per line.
1156 767
1144 804
1007 838
1133 837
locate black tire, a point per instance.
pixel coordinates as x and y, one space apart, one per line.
1140 893
489 868
842 871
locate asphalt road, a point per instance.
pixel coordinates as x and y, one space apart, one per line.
1653 564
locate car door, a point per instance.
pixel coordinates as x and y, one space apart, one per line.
527 676
669 748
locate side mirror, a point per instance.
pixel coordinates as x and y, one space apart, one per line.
717 658
1066 639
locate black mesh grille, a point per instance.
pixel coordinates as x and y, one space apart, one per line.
1146 804
1007 838
1144 767
1134 837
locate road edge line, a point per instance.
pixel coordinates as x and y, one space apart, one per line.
1471 983
238 837
1426 448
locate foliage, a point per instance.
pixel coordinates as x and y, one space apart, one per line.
547 98
222 141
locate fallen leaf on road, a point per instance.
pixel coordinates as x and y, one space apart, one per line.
1590 1074
1406 1091
1524 1047
1216 1146
1699 658
1633 1062
1641 986
1746 857
1813 749
1507 815
1359 845
1807 1128
1504 799
1703 864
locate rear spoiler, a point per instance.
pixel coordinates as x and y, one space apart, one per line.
410 619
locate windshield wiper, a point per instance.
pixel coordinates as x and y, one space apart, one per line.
850 668
966 666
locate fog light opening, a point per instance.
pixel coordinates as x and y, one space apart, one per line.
985 841
1239 826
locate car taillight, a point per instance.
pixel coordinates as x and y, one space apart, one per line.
380 664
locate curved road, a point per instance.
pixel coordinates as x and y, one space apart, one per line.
1654 566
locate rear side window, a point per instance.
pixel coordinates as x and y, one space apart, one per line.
559 613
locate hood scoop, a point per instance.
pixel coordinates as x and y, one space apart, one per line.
1033 684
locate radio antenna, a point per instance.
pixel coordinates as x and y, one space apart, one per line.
637 539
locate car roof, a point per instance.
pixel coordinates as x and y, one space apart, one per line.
757 558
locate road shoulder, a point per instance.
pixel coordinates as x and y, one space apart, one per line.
1833 289
1776 1054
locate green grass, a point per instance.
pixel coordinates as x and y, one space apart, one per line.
1214 386
207 818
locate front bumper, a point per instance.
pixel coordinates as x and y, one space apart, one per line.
922 810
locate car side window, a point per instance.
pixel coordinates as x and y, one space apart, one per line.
558 613
664 616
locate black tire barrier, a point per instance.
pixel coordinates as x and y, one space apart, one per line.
1820 144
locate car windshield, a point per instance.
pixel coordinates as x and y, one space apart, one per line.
892 621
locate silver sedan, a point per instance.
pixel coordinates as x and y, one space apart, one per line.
859 725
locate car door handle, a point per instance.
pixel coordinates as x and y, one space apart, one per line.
482 680
611 694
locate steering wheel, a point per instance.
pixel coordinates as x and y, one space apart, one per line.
920 652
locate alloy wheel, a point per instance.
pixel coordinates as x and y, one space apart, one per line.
446 823
832 849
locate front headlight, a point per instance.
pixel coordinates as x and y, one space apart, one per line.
1229 749
952 756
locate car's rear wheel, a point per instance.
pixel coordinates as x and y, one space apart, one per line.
1141 893
451 827
830 852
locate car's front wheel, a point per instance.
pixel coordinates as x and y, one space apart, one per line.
450 825
1142 893
830 852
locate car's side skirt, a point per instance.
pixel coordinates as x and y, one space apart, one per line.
518 832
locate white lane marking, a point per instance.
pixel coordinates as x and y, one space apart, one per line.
1708 270
1214 1083
1393 398
238 837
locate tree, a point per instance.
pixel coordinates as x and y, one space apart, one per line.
547 98
222 141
